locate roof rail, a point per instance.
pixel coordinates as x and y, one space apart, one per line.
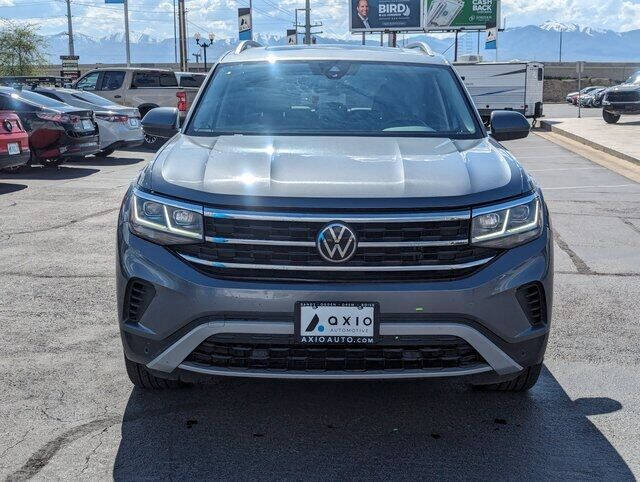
424 46
246 44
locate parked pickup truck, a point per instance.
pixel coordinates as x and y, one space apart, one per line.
142 88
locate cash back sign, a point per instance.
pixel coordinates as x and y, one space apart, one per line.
385 15
461 14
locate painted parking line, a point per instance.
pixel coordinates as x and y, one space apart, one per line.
568 169
589 187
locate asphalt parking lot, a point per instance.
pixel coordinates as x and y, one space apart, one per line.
67 409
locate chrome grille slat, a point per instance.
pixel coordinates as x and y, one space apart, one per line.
280 267
366 244
345 218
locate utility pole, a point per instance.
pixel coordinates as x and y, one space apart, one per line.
393 39
175 34
126 31
182 33
455 51
560 54
307 22
308 40
71 50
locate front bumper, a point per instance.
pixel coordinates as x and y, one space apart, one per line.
7 161
621 108
189 307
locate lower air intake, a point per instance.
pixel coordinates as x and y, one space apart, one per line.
532 300
138 297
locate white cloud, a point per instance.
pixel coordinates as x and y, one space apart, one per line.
620 15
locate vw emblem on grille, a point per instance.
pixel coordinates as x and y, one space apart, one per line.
337 243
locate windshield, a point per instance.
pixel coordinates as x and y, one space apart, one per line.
634 79
93 99
39 99
334 98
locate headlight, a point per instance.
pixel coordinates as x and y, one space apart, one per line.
165 221
509 224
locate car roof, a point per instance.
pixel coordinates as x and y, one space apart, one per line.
132 69
62 90
333 52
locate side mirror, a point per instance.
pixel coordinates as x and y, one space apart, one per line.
508 125
161 122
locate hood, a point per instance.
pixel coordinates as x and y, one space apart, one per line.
624 88
212 170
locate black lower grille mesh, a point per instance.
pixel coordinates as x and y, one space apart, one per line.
632 96
433 353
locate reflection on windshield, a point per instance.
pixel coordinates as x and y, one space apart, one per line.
334 98
634 79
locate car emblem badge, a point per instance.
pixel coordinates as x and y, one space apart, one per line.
337 243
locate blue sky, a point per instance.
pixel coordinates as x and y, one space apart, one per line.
154 17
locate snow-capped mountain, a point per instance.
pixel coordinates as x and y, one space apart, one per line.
553 26
532 42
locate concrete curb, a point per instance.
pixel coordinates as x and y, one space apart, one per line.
550 127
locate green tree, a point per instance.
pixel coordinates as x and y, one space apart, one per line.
22 50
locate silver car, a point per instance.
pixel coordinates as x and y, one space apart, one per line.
119 126
334 212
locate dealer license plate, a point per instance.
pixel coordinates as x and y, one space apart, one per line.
87 125
350 323
14 148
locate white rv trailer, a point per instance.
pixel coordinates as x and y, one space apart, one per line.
504 86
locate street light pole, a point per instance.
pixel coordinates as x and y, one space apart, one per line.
560 57
204 45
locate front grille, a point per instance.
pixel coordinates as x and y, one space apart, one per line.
532 300
255 229
364 257
436 352
275 246
632 96
137 298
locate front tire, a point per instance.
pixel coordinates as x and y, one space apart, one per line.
142 378
521 383
105 153
13 170
610 118
52 162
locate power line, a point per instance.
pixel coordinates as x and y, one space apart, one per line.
269 2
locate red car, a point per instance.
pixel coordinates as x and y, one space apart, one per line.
14 142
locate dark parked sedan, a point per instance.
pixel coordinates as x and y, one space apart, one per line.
56 130
623 99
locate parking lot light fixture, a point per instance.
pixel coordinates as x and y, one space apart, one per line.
204 45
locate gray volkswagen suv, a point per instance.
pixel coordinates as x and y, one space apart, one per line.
334 213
